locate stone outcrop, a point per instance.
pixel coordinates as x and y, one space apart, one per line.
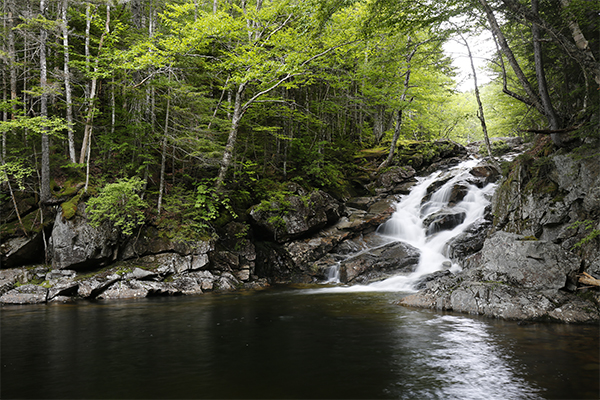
511 278
540 242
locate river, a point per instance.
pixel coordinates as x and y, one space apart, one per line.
287 343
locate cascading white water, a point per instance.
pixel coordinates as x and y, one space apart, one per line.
407 224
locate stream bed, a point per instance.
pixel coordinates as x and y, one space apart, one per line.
287 342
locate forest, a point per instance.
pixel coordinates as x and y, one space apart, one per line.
182 114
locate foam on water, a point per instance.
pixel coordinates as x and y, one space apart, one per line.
407 225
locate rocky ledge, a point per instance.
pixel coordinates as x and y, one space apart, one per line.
513 277
540 258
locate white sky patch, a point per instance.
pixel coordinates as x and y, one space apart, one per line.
482 47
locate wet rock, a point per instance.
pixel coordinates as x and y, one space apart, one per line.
510 278
457 194
9 277
140 274
361 203
96 285
150 242
63 287
25 294
131 289
194 283
486 172
443 220
469 242
226 282
379 263
395 176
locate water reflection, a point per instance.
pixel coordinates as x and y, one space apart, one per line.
464 360
287 344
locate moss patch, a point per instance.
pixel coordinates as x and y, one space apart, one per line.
69 208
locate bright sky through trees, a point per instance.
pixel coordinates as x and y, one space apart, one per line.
482 47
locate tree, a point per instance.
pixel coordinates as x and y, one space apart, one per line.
45 181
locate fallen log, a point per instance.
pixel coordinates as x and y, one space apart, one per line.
587 279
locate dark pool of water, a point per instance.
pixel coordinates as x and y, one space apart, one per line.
287 343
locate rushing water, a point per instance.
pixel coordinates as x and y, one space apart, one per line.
287 343
407 224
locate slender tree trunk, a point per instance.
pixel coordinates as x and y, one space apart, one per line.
163 159
238 112
396 135
90 114
88 24
549 112
480 114
4 94
45 180
67 73
12 63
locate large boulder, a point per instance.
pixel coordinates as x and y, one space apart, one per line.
75 244
298 216
559 202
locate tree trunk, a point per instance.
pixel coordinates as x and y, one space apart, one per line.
396 135
533 98
88 24
90 116
583 56
164 156
238 112
549 112
45 180
67 73
480 113
12 63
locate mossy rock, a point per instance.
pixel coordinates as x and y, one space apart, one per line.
69 208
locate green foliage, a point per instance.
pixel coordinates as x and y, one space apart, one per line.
587 225
120 204
52 125
210 202
180 220
15 171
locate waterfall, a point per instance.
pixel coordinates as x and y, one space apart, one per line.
438 208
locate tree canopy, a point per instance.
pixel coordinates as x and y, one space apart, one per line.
221 104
